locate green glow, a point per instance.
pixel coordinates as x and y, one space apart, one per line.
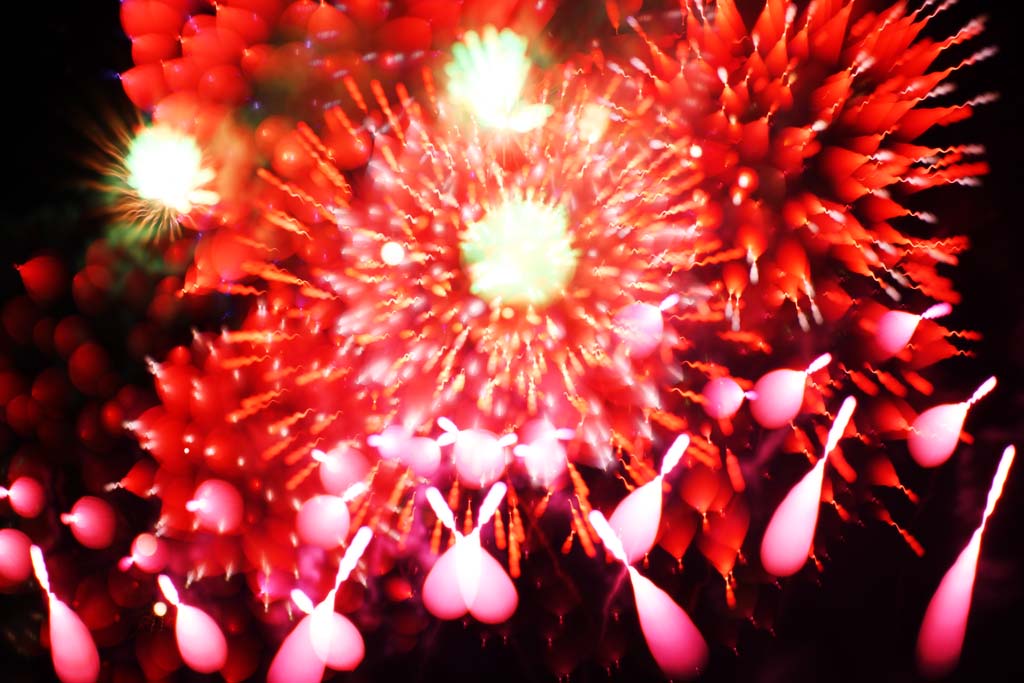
486 77
519 252
165 166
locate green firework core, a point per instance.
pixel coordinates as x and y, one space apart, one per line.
519 253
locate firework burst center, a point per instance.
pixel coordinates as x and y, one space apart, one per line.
520 252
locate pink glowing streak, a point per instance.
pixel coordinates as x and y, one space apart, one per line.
778 395
323 638
674 641
941 638
74 654
787 540
466 579
200 640
936 432
896 328
338 643
636 519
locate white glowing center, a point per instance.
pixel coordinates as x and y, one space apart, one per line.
519 252
392 253
166 166
486 78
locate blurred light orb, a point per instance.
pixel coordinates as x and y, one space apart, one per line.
520 252
487 76
166 167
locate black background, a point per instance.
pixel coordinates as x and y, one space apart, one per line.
859 622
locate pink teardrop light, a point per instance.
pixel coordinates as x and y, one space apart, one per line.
778 397
674 641
296 661
496 597
640 328
442 596
636 519
26 497
493 598
790 533
894 331
480 458
941 637
935 434
217 506
75 658
200 640
945 621
336 640
341 468
722 398
92 522
466 578
323 521
390 442
15 562
545 462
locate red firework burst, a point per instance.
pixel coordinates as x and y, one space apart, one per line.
487 284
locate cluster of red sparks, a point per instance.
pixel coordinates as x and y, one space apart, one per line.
720 284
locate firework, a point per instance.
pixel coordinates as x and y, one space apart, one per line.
486 282
945 621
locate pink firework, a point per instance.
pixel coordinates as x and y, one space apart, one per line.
477 302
